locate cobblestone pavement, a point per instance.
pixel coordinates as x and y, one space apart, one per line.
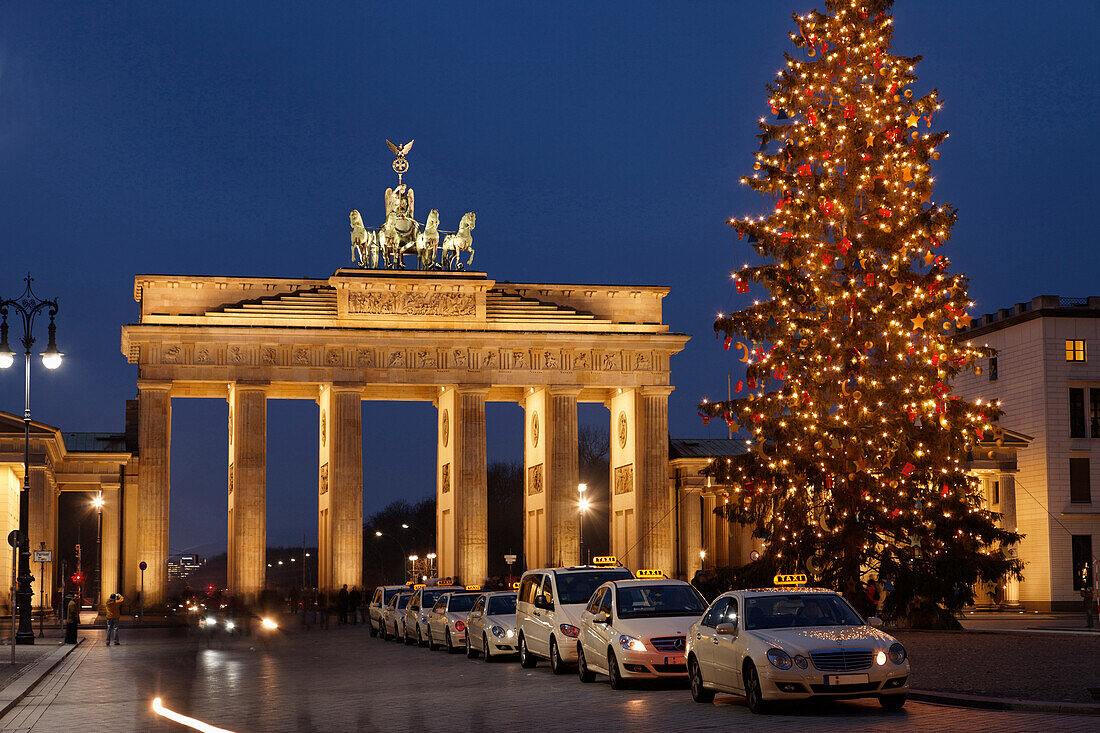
342 680
1056 667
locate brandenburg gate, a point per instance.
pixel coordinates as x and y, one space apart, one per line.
438 334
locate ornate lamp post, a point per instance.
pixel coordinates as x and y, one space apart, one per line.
28 306
582 509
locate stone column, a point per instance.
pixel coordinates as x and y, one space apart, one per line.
691 531
462 543
247 488
721 536
655 518
340 487
710 523
41 529
154 482
1009 521
552 524
110 542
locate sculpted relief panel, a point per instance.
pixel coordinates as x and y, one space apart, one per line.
624 479
458 305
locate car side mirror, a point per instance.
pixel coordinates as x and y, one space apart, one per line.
540 602
727 629
600 618
874 621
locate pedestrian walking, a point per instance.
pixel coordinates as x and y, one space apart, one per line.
114 601
1090 606
342 599
355 600
72 618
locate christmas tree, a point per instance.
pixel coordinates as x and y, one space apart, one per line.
858 446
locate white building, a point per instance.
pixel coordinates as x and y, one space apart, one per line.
1049 385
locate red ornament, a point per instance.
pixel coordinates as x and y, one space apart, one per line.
827 258
849 111
726 346
752 382
742 287
845 245
812 117
885 213
804 169
827 207
740 386
908 469
829 482
869 279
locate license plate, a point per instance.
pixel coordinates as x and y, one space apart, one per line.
674 660
846 679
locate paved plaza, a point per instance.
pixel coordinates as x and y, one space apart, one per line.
342 680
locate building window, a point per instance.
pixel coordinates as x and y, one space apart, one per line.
996 492
1079 490
1094 412
992 369
1082 557
1076 412
1075 349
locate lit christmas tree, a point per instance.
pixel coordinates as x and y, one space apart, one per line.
858 446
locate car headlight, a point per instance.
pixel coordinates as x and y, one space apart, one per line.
779 659
880 658
498 631
229 625
571 631
211 621
269 624
510 633
631 644
897 653
801 661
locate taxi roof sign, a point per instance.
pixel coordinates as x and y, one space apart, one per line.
417 586
790 580
605 560
473 587
649 574
515 585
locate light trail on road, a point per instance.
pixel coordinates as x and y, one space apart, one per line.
159 709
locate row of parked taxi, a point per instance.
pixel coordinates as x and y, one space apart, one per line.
788 642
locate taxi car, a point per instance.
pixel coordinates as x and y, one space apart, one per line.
491 626
392 614
637 629
549 606
378 600
414 627
447 619
794 643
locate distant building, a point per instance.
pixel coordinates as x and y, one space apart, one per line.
1049 385
180 567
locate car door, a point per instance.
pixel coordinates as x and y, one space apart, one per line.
545 617
592 634
706 638
475 623
526 623
729 649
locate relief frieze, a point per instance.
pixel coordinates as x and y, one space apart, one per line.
412 304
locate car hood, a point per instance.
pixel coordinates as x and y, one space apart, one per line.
647 628
506 622
823 637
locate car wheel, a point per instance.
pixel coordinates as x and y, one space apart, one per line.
419 637
488 650
557 665
373 631
613 672
432 646
382 631
753 694
893 702
583 671
698 692
447 642
526 659
471 653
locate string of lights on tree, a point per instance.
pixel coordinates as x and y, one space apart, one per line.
858 445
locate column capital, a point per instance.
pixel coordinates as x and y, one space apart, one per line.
154 385
655 391
249 386
344 387
563 389
469 389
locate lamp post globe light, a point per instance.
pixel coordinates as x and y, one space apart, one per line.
27 306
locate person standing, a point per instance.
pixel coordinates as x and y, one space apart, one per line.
355 600
72 618
342 605
1086 597
114 601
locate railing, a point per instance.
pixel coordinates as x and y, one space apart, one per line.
1072 302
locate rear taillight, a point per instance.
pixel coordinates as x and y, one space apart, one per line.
459 626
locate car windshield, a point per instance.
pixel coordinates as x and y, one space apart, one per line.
796 610
658 600
403 600
577 587
463 602
389 593
502 605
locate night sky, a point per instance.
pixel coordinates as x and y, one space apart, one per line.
598 142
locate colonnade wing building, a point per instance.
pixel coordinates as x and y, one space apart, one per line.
456 339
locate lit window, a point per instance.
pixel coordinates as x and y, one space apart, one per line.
1075 349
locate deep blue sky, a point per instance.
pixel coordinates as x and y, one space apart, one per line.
598 142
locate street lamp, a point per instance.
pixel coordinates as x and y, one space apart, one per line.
431 563
28 306
582 510
97 502
392 537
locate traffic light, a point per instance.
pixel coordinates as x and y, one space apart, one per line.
78 553
77 577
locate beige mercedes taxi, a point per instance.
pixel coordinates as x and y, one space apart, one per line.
777 644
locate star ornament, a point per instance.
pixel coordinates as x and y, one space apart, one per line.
929 258
897 288
912 120
918 322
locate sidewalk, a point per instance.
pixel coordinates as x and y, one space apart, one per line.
1029 621
26 654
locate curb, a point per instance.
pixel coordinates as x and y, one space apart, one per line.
18 688
1003 703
